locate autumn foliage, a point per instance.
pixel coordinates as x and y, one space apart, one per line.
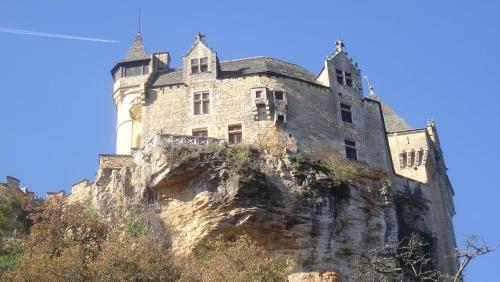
68 243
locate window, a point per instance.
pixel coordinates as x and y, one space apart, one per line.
348 79
234 134
204 64
340 76
116 75
412 159
200 132
344 78
133 71
405 159
199 65
136 70
420 156
278 95
346 113
195 66
350 150
201 103
258 94
261 112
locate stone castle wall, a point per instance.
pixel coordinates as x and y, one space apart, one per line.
313 116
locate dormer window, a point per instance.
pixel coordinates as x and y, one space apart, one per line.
199 65
344 78
204 65
348 79
340 76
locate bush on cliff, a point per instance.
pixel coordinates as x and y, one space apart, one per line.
66 243
238 260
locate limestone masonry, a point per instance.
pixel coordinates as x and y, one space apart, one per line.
274 104
283 110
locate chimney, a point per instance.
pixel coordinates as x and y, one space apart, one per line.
161 61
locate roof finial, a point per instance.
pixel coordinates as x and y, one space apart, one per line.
139 22
199 37
339 45
371 90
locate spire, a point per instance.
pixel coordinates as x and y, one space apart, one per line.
137 51
371 90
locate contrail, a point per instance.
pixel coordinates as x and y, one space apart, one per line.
54 35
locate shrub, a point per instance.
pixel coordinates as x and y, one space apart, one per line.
62 241
239 260
10 257
12 218
125 259
134 228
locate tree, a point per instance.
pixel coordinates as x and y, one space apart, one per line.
474 247
407 260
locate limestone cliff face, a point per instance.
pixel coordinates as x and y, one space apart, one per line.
285 204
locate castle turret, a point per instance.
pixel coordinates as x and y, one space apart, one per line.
130 76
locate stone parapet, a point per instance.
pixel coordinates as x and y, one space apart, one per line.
160 140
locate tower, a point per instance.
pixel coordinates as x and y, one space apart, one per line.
130 77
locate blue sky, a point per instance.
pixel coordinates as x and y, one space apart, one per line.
428 59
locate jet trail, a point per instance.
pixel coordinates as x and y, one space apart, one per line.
53 35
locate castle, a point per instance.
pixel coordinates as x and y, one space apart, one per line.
270 103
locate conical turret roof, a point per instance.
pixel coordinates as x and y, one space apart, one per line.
137 51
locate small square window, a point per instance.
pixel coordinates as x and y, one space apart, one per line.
345 111
204 64
195 66
258 94
350 150
338 71
234 134
278 95
348 82
200 132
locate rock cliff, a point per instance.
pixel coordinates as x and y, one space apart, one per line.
323 218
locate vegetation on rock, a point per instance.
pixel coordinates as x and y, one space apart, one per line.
68 243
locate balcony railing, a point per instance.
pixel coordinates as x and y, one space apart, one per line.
160 140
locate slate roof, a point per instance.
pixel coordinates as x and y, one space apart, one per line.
137 51
393 121
242 67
